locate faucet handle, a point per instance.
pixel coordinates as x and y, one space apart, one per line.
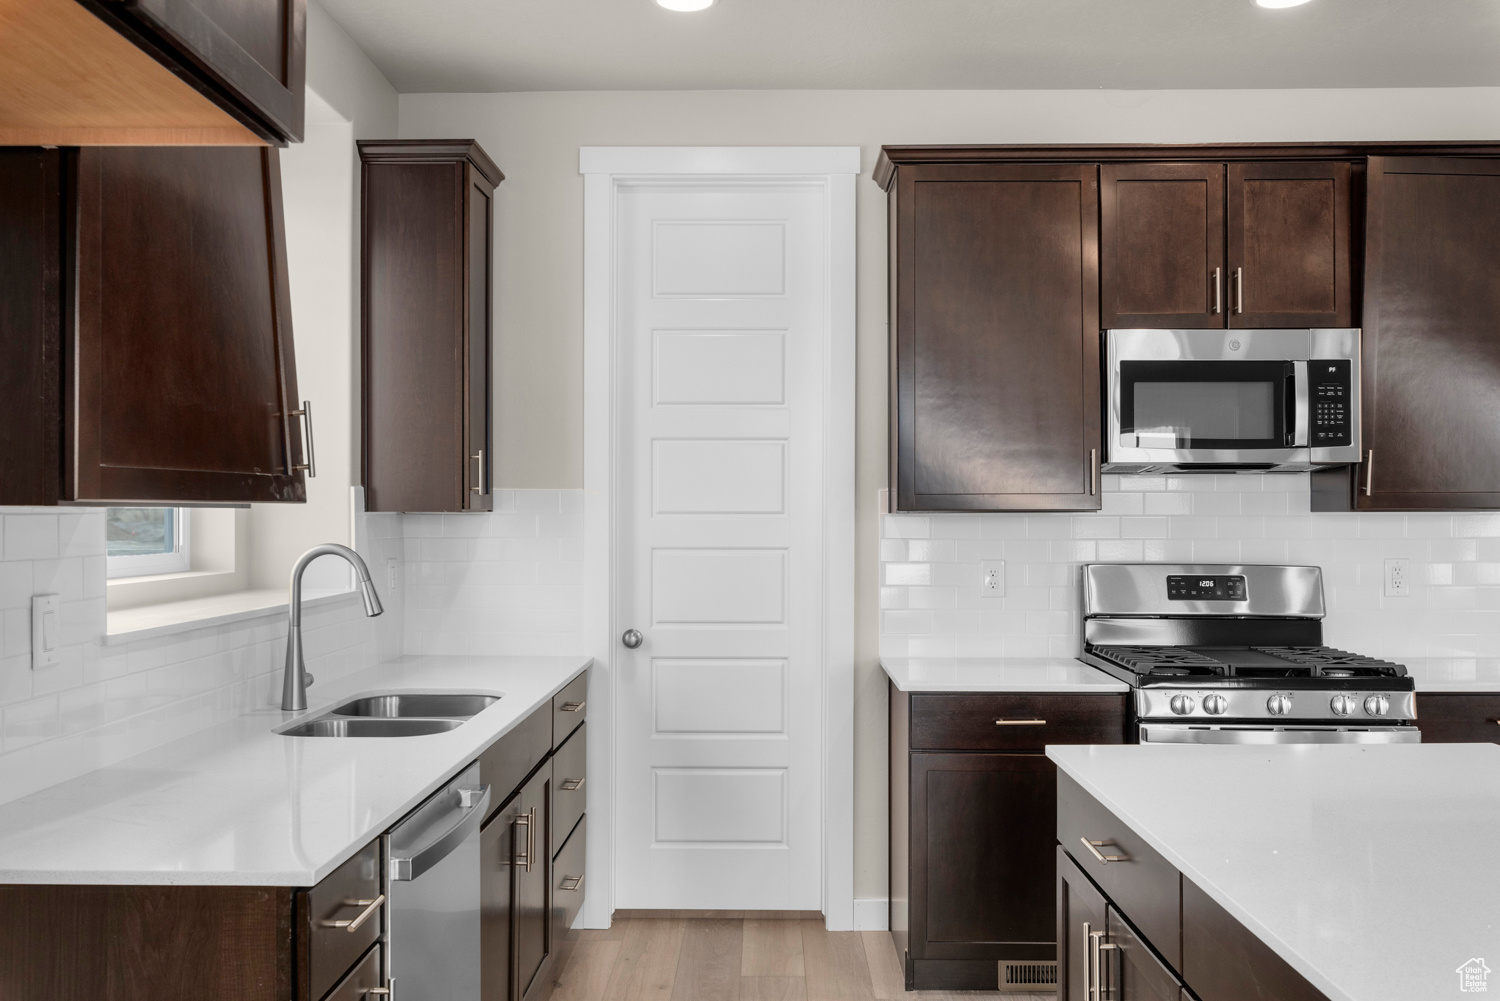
307 680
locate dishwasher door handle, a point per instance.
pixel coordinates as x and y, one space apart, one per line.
411 863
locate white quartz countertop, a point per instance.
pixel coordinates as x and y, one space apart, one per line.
237 804
1452 674
1366 867
1000 674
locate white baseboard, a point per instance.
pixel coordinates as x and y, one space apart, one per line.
872 913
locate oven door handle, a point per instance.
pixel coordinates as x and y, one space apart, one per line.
1301 437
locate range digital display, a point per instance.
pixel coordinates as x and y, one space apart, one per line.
1206 588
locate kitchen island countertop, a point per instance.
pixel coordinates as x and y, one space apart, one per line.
238 804
1363 866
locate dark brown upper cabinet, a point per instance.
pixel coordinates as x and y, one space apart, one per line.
995 337
1431 351
148 337
1161 253
428 236
1247 244
162 72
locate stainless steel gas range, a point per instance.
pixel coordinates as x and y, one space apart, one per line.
1228 654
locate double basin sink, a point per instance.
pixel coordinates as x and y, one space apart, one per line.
410 714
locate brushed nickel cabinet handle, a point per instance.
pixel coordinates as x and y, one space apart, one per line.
1093 472
522 857
378 991
479 474
573 707
311 465
1094 846
572 785
1218 290
352 925
1020 722
1090 992
1369 472
1239 290
577 882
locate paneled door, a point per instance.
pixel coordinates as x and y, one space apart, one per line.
723 316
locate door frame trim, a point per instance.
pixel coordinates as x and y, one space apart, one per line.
604 170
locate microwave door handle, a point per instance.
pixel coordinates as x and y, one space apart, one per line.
1300 436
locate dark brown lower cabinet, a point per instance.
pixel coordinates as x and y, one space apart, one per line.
1451 718
973 811
1082 914
515 894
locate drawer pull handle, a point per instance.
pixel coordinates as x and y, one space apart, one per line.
576 881
572 785
378 991
352 925
1020 722
1094 846
573 707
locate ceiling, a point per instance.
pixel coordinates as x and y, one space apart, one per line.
426 46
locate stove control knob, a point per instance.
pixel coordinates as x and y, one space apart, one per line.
1278 705
1182 704
1215 705
1377 705
1342 705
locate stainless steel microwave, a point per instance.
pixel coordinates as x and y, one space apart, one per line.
1231 400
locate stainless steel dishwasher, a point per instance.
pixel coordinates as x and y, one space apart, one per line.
433 868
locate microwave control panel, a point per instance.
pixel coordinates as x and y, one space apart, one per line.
1329 394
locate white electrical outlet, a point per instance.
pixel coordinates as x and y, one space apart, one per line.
392 571
1397 578
46 643
992 579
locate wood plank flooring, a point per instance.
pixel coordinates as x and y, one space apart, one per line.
740 959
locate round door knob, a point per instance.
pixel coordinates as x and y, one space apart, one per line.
1215 705
1377 705
1278 705
1342 705
1182 704
632 638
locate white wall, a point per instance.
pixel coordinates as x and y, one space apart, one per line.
539 264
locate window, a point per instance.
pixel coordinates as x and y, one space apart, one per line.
141 541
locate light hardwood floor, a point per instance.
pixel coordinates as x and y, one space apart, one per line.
740 959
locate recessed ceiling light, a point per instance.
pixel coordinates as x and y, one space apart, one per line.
690 5
1258 3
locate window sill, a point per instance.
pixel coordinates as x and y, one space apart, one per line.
127 625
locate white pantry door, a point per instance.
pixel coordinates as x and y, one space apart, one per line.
722 298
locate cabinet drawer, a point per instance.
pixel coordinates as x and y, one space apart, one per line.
1146 887
568 794
567 879
1014 722
568 708
505 764
1459 719
361 980
337 921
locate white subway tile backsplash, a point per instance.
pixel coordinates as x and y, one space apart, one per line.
1453 608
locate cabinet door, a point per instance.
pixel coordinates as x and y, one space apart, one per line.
1431 356
1082 923
184 379
996 349
981 845
254 49
1130 971
1459 719
477 319
1289 245
497 848
533 888
1161 254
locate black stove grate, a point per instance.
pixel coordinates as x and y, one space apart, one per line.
1245 662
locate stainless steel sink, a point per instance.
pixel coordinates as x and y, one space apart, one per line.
367 727
443 706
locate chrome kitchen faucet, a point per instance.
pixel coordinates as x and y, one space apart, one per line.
295 679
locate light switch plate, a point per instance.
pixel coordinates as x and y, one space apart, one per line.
1397 578
992 578
46 642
